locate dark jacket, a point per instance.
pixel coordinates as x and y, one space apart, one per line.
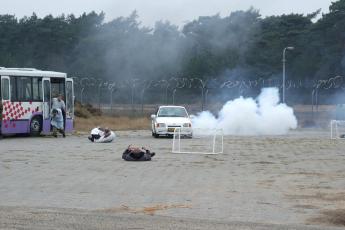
133 156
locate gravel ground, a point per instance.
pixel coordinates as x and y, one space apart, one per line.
293 180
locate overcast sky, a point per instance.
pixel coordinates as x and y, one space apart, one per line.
177 11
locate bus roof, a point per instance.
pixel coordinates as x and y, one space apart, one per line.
30 72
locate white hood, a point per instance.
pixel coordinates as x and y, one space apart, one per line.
173 120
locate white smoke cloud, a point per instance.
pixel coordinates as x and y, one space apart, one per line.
247 116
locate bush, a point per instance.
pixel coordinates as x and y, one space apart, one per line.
81 111
93 111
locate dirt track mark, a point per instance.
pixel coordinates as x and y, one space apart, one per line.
330 217
149 210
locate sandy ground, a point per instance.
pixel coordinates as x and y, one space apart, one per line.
292 180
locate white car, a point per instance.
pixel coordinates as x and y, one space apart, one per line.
167 118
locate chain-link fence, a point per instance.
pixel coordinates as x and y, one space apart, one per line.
140 97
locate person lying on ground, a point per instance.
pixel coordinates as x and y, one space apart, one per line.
101 135
96 133
57 122
137 154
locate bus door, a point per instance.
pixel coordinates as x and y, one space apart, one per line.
5 98
46 105
69 105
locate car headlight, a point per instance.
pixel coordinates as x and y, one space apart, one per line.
160 125
187 125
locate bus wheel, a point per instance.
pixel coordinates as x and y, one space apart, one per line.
35 126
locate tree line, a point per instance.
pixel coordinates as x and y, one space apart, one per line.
242 45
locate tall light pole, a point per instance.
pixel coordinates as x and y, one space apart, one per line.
284 61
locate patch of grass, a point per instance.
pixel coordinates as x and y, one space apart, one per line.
88 117
113 123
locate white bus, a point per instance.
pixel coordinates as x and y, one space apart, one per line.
26 96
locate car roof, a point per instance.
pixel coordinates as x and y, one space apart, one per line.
171 106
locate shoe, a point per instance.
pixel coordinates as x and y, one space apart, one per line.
153 154
90 138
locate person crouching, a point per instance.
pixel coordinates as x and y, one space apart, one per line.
57 122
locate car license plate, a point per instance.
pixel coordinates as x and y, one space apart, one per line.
171 129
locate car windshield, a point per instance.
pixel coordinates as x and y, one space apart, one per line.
172 112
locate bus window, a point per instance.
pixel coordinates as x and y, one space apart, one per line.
47 91
5 83
57 87
24 91
36 89
13 89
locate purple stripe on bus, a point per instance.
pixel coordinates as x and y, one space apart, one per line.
46 126
13 127
69 125
23 126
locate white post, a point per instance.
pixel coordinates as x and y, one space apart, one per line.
214 142
336 129
284 75
179 139
173 147
222 133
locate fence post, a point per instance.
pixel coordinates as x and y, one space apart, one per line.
111 101
202 98
81 95
312 103
132 97
174 92
166 93
317 99
206 98
142 101
99 95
